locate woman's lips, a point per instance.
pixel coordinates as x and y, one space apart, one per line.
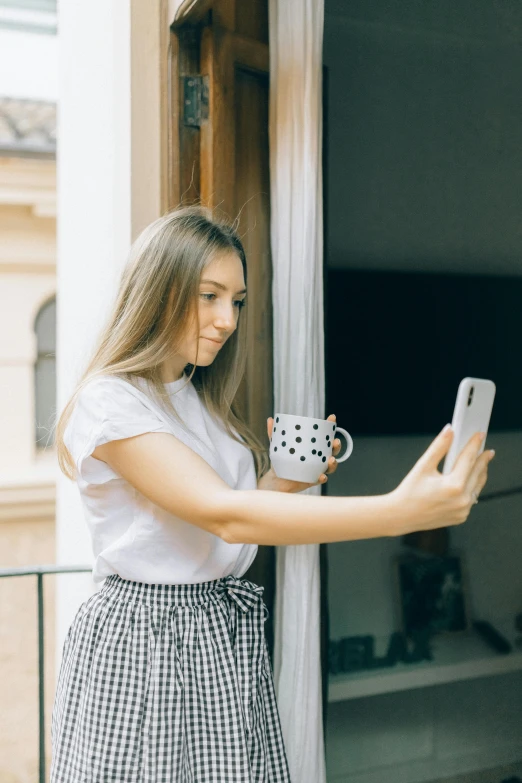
216 342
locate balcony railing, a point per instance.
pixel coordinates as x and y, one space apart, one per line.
39 572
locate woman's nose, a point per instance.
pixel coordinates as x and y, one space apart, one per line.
225 318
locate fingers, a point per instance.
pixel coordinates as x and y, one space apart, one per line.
332 462
479 474
436 451
483 478
470 491
270 427
323 478
332 466
337 443
466 460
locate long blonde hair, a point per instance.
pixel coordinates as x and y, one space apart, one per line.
156 299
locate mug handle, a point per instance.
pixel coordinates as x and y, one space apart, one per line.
349 446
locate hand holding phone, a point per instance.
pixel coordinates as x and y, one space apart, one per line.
472 414
429 500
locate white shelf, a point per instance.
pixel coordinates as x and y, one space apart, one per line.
459 656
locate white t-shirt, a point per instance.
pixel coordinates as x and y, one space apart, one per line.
131 535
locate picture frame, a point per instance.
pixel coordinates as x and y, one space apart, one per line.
432 593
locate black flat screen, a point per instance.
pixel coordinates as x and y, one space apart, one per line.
399 343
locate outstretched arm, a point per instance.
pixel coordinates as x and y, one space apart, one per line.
177 479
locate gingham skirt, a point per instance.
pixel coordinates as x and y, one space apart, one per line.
168 684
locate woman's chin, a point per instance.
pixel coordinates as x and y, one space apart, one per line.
204 361
206 355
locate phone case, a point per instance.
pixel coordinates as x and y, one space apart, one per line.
469 418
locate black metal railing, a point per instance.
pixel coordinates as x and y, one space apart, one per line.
39 572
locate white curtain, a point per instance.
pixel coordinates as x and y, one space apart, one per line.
296 40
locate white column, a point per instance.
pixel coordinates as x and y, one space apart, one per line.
109 188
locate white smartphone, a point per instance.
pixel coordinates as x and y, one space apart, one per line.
472 414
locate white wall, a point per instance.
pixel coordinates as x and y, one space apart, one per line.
491 539
434 732
109 188
28 65
425 138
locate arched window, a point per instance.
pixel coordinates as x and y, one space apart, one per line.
45 374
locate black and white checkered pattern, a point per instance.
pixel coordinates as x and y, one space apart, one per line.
168 684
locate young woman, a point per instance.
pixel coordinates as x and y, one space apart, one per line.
165 674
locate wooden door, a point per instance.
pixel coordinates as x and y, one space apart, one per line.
218 156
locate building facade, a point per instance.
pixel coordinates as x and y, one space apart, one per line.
27 369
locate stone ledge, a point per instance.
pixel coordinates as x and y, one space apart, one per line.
33 501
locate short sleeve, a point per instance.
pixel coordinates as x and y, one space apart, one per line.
107 409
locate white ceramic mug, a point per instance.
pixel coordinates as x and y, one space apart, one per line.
300 447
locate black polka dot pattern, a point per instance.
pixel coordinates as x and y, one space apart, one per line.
301 437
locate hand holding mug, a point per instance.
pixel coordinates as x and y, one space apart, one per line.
303 452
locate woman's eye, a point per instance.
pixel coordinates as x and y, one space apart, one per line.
239 303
